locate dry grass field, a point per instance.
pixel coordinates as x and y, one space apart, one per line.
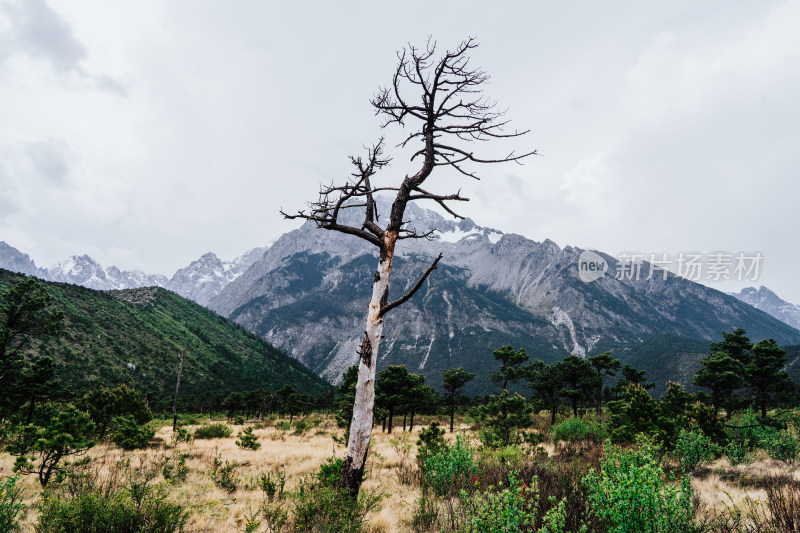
300 456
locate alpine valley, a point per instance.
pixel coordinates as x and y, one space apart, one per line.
307 293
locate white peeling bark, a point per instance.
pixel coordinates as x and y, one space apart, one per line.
364 405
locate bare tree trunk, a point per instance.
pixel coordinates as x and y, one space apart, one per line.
363 408
452 110
177 388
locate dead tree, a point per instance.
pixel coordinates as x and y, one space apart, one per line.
451 112
177 389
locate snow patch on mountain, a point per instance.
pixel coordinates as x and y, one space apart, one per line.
769 302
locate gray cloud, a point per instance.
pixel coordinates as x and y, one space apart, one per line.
40 31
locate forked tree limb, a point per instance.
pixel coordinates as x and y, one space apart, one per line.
407 296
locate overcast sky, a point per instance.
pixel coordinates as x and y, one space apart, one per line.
147 133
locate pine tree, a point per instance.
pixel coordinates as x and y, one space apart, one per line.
768 382
723 374
606 366
546 382
454 380
579 381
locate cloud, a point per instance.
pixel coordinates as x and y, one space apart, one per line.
50 160
38 31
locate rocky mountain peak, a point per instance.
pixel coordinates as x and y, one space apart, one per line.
769 302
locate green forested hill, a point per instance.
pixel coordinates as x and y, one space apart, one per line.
134 336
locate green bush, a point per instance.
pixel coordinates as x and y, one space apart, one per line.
576 429
509 510
213 431
272 487
782 445
322 507
11 508
247 440
431 441
330 471
181 434
128 434
224 474
694 449
632 494
301 426
739 452
173 467
56 431
451 470
125 511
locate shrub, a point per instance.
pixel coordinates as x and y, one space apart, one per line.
320 507
739 452
451 470
213 431
330 471
224 474
431 441
782 445
301 426
174 468
576 429
126 511
181 434
509 510
504 416
635 412
247 440
632 494
272 487
128 434
11 508
56 431
694 449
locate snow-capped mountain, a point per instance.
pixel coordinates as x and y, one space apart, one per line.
85 271
309 291
769 302
199 281
207 276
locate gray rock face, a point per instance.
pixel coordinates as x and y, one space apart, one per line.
15 261
769 302
308 296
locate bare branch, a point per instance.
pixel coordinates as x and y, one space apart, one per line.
403 299
356 193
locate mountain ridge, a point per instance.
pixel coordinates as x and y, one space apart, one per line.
133 336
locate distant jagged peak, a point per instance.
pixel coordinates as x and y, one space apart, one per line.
15 261
766 300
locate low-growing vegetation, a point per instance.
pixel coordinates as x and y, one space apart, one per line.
572 454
